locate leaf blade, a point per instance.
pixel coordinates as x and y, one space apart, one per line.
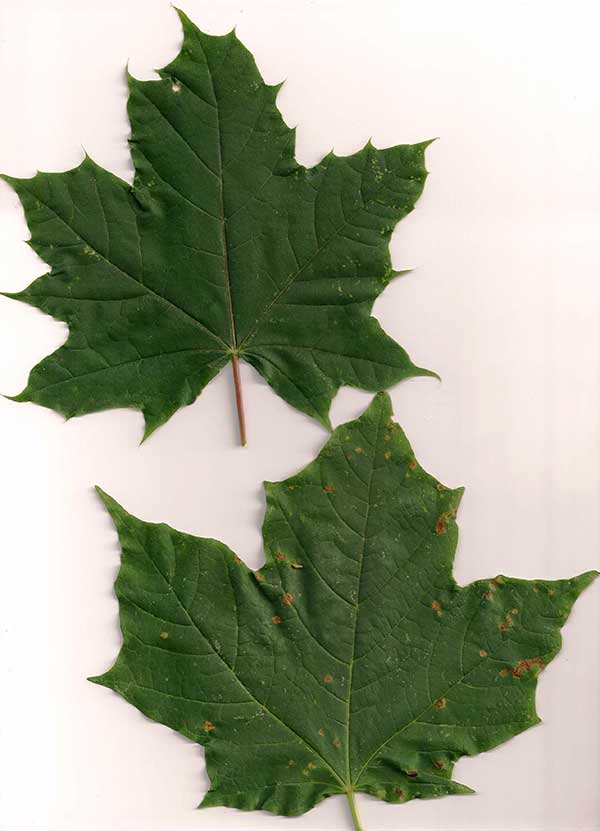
354 634
224 244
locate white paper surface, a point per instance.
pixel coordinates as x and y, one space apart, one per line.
504 304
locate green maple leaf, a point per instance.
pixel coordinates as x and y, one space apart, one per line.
351 661
224 249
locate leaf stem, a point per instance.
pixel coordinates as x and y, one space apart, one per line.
238 398
354 811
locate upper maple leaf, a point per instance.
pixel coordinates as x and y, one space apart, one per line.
225 248
352 661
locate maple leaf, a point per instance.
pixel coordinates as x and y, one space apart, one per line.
225 249
351 661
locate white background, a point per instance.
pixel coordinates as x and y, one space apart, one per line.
504 304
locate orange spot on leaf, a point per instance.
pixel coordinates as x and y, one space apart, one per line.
287 599
442 523
328 678
526 665
208 726
276 619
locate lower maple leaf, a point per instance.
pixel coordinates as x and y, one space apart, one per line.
351 661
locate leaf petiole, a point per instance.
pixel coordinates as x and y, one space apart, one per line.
354 811
239 401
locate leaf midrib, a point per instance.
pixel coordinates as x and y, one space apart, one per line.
222 223
357 605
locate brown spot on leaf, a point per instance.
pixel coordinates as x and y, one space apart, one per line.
337 743
412 464
276 619
358 450
551 592
164 635
435 605
515 611
482 653
208 726
287 599
439 764
488 596
291 763
311 766
279 555
388 454
502 626
258 576
441 525
440 487
526 665
398 792
321 731
440 703
412 772
328 678
504 672
387 437
329 489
